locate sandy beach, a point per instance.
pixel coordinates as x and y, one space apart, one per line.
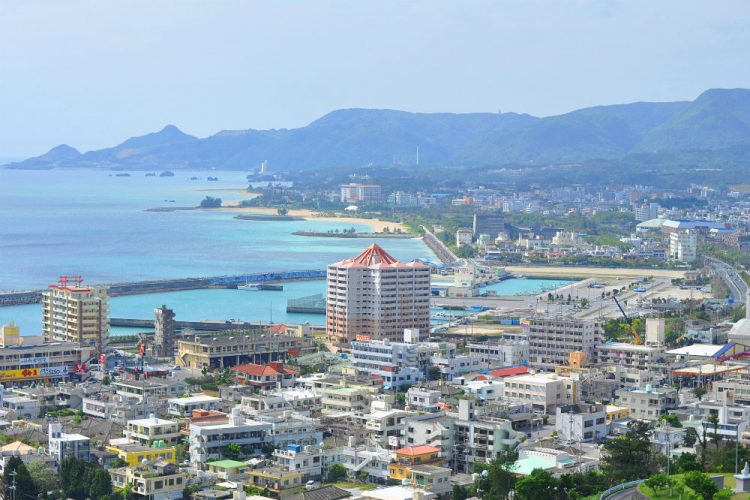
377 225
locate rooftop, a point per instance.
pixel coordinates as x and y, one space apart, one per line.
227 464
417 450
268 370
375 257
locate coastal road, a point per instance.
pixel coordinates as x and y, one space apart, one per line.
731 277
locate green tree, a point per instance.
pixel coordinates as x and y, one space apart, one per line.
433 373
724 494
701 483
25 487
282 211
629 457
538 484
498 481
232 451
336 472
72 472
101 484
400 398
658 482
699 392
106 380
687 462
671 419
459 493
44 476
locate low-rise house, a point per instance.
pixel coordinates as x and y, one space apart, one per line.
134 454
305 459
581 423
280 482
272 375
228 470
406 458
182 406
119 409
421 397
149 430
431 478
207 441
545 391
648 403
303 401
485 390
62 445
145 389
154 480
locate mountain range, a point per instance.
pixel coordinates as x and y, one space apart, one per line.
713 126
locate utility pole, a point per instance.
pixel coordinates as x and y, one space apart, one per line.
12 487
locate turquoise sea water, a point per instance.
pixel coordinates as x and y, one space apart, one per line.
197 305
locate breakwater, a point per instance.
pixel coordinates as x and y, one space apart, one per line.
328 234
204 326
438 248
172 285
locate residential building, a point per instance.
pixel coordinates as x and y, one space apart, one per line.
148 431
406 458
72 312
207 440
640 357
374 296
304 401
164 337
420 397
432 479
344 399
179 407
305 459
368 194
228 470
154 480
485 390
134 454
478 439
683 245
225 351
500 353
272 375
648 403
545 391
63 445
395 363
552 339
280 482
384 425
119 409
140 390
581 423
367 460
290 428
456 366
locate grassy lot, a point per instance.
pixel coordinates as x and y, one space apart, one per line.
729 482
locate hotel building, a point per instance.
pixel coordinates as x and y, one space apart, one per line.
374 296
72 312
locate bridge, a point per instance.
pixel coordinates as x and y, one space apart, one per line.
171 285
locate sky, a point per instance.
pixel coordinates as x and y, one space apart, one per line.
92 73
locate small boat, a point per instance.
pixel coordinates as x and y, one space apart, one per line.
151 174
249 286
261 286
123 175
213 178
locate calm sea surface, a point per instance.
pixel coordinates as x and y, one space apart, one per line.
95 224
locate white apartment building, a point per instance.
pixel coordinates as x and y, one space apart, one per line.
148 430
303 401
185 406
683 245
72 312
640 357
374 296
545 391
62 445
207 441
456 366
290 428
363 193
551 340
396 363
581 423
305 459
485 390
500 353
419 397
648 403
567 239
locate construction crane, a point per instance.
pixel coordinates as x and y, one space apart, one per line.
636 336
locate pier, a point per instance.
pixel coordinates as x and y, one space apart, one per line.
14 298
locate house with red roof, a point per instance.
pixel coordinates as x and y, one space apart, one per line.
265 376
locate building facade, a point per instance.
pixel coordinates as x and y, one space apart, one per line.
374 296
72 312
551 340
361 193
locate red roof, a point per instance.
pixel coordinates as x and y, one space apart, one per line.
417 450
264 370
375 256
508 372
280 328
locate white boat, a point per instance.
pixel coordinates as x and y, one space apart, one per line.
249 286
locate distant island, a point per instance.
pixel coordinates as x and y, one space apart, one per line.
710 130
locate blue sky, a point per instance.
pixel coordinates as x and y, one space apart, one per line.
92 73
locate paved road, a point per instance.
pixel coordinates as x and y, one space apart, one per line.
629 494
731 277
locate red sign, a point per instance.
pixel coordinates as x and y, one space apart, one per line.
143 349
102 357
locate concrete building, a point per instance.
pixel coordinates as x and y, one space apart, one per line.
344 399
305 459
647 211
420 397
551 340
641 357
147 431
395 363
163 345
368 194
185 406
24 359
72 312
62 445
581 423
485 390
648 403
154 480
683 245
272 375
374 296
304 401
654 332
545 391
477 439
134 454
457 366
207 441
225 351
464 237
291 428
500 353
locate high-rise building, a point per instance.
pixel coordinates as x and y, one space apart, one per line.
72 312
364 193
683 245
163 332
374 296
